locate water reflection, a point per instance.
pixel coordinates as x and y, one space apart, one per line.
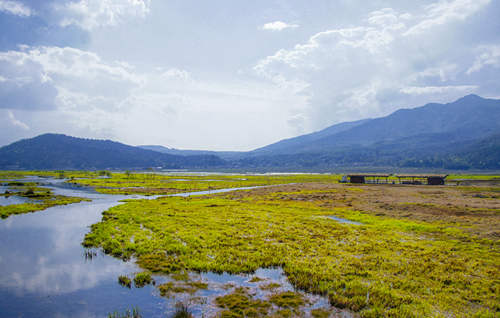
43 266
45 271
188 194
345 221
10 199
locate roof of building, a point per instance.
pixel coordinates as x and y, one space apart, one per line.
421 175
369 175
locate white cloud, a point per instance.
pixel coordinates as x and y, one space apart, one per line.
388 18
444 72
15 7
92 14
99 98
327 69
489 55
63 77
191 83
373 68
462 89
14 121
446 11
278 26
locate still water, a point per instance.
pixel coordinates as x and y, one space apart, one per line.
11 199
44 271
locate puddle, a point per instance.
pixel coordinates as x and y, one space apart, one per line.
202 302
341 220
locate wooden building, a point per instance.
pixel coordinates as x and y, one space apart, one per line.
380 178
368 178
429 179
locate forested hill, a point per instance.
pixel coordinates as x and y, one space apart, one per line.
54 151
468 118
460 135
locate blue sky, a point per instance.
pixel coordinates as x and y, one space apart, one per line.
234 75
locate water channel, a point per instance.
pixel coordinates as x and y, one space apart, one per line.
44 271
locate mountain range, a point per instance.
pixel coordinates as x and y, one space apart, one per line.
55 151
459 135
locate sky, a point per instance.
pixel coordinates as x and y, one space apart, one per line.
234 74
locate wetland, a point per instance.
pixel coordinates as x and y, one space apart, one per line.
297 245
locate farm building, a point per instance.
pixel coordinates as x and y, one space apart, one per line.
380 178
367 178
429 179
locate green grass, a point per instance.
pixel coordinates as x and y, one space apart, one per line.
320 313
386 267
241 304
142 279
170 288
270 286
287 300
182 311
124 281
43 199
150 184
472 177
134 313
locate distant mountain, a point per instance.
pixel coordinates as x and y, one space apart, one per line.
459 135
54 151
483 154
293 145
468 118
179 152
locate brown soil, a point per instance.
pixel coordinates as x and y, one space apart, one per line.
474 209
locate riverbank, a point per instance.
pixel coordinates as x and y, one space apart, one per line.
433 262
312 247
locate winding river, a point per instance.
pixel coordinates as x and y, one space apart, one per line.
45 271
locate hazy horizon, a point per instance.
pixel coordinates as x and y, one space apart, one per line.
235 76
180 148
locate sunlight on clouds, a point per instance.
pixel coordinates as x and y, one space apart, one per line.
66 77
489 55
444 72
17 122
15 8
92 14
351 73
462 89
112 98
278 26
194 75
446 11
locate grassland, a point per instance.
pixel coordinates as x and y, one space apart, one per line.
419 251
40 198
153 184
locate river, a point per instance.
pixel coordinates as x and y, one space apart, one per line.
44 271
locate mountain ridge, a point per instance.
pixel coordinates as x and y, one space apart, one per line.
459 135
431 118
58 151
